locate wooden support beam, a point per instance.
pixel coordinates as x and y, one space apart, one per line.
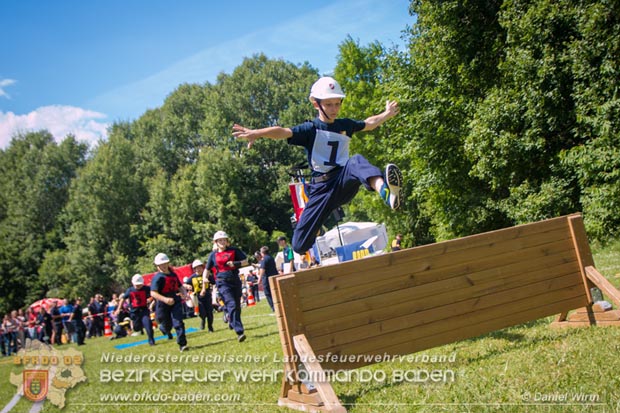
582 248
606 287
313 367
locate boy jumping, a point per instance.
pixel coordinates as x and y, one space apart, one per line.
336 178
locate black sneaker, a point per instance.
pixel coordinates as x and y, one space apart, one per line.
241 338
183 348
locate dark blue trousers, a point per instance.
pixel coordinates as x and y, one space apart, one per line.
230 289
141 318
267 291
169 316
324 197
79 331
205 308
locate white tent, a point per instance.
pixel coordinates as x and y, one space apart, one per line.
350 233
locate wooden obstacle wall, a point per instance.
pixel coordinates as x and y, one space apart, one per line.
423 297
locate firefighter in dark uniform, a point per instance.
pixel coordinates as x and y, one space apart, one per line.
167 290
227 260
201 282
138 296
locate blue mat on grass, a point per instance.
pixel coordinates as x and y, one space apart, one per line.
139 343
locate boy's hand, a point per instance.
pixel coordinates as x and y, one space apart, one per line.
391 108
241 132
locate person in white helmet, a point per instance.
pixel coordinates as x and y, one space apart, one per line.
202 291
226 261
336 177
166 288
138 296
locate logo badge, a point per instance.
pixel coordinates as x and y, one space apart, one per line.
35 384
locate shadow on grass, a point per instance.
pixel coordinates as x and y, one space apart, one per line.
349 400
519 341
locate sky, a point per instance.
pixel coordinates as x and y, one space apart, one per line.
77 66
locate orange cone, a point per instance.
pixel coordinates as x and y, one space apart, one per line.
107 328
251 300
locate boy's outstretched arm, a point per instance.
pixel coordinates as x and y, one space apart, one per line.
272 132
391 110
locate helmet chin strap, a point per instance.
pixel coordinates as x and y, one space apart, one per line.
318 102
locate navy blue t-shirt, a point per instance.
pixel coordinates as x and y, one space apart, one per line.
269 265
327 144
166 284
138 298
218 260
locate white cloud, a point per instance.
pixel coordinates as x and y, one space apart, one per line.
86 125
3 84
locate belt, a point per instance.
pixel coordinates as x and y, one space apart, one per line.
326 176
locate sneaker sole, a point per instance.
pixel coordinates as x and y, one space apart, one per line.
394 179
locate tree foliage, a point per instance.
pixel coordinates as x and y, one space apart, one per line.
35 175
506 101
509 114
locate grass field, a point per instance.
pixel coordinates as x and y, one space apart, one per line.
526 368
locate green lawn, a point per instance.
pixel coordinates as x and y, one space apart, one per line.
526 368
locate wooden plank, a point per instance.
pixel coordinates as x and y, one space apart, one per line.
596 308
323 387
374 309
601 282
288 316
337 292
354 301
447 314
305 398
428 251
577 324
443 264
445 337
277 304
605 316
509 314
582 249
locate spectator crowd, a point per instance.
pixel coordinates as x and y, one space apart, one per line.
63 321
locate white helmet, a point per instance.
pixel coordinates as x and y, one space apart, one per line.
197 263
161 258
219 235
137 280
326 88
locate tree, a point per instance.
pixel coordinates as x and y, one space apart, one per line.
367 76
35 175
452 59
596 163
105 201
